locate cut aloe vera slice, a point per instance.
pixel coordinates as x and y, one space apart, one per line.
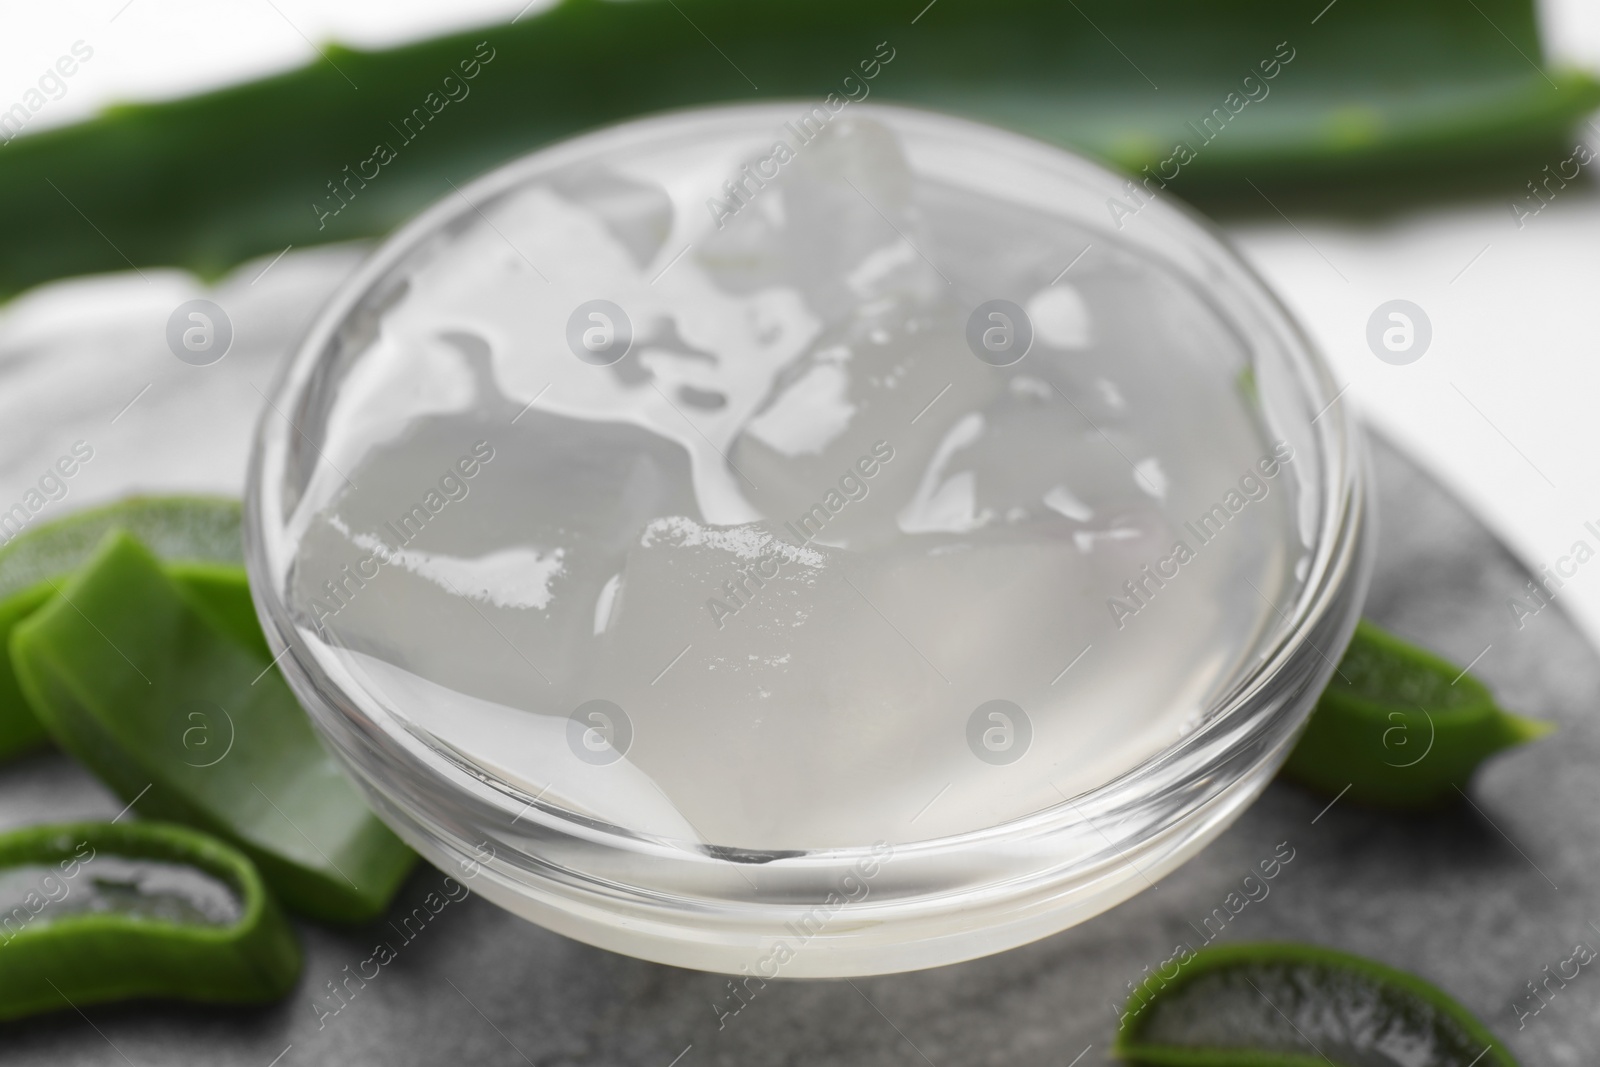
1400 727
196 536
1286 1005
122 668
93 912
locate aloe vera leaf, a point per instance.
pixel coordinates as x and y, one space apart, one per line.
96 912
200 528
1381 95
1290 1005
116 665
1400 727
197 537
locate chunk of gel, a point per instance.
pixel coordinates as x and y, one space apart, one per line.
800 570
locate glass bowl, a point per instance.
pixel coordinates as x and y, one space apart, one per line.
570 369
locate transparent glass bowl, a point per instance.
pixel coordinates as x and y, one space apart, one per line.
864 909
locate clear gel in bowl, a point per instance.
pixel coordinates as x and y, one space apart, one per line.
724 496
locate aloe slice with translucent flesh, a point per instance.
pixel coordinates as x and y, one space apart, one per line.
1285 1005
197 537
95 912
123 668
1372 98
1400 727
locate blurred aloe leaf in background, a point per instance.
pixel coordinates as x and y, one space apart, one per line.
1226 101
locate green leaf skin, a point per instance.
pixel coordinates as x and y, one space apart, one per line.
1289 1005
116 667
92 958
21 731
1401 727
1382 99
197 537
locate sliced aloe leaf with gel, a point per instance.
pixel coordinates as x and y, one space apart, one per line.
1400 727
197 537
123 669
96 912
1289 1005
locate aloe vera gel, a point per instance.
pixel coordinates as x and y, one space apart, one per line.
767 493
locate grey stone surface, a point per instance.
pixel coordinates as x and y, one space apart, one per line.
1478 899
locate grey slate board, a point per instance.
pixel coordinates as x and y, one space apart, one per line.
1478 899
